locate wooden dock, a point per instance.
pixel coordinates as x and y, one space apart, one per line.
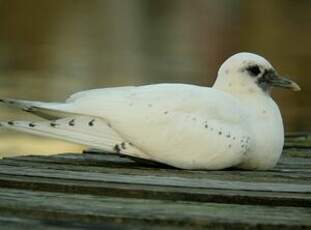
105 191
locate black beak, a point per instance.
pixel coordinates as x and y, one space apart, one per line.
273 79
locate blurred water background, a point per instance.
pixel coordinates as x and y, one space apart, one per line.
50 49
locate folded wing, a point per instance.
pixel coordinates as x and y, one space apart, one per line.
182 125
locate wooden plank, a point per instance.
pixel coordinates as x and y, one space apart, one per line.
214 193
300 176
155 192
104 159
110 160
298 140
296 157
95 190
101 209
297 152
148 179
9 222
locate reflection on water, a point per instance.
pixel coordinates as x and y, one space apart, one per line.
50 49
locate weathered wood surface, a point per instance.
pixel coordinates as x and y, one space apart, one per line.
90 190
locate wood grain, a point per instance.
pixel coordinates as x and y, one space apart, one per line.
98 190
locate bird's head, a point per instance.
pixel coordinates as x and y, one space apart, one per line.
250 73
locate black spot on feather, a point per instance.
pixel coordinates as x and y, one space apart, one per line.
91 123
72 122
53 124
11 122
117 148
31 125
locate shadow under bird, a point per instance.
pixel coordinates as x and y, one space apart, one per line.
234 123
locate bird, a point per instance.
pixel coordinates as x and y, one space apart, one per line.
235 123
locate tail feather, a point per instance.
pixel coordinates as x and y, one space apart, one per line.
64 124
46 110
86 130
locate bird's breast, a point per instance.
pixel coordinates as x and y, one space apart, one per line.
267 136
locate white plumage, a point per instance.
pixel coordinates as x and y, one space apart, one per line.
233 124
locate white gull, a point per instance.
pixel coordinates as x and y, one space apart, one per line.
235 123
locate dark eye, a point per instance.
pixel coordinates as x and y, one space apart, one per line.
253 70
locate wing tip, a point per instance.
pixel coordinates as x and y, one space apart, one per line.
6 101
